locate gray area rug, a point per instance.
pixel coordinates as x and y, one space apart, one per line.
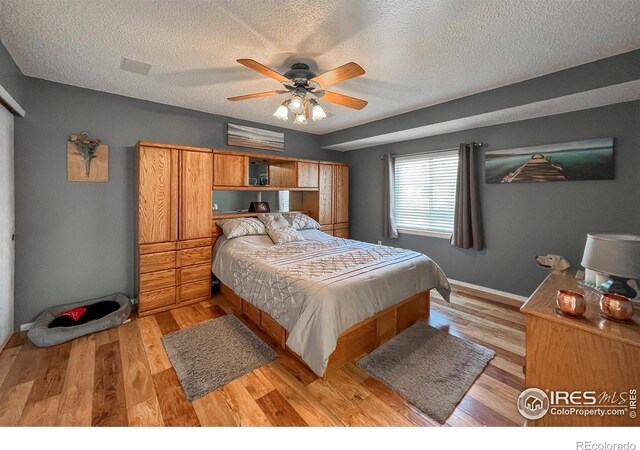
430 368
214 353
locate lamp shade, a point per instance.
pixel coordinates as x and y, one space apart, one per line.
613 254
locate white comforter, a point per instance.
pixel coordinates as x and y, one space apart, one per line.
320 287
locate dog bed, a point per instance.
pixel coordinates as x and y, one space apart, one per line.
43 336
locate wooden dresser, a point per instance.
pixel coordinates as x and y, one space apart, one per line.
587 354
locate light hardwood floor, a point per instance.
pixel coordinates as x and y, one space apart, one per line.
123 377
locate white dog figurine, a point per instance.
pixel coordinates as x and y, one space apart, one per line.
556 263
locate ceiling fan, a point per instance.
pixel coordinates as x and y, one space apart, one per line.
305 89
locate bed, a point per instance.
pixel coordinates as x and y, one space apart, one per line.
325 299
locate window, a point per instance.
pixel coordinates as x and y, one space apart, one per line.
426 193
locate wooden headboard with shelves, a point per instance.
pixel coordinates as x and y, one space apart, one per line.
175 224
319 188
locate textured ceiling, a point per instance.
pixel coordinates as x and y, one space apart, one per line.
416 53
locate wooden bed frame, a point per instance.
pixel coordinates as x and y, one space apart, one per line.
354 342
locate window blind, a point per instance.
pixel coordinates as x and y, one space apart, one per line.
425 190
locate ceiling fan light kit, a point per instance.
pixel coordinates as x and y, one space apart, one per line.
306 88
300 119
296 104
317 113
282 112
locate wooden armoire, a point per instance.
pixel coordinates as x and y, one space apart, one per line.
329 205
173 226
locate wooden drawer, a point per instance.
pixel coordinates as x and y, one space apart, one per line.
193 256
251 311
157 280
341 233
157 248
154 262
151 300
194 273
192 291
192 243
386 326
273 329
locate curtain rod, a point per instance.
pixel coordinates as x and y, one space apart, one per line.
475 144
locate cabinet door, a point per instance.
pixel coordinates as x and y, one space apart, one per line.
341 194
307 174
229 170
325 195
157 195
195 194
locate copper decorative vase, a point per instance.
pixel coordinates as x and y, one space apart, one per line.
617 307
571 303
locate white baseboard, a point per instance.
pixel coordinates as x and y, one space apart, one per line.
491 294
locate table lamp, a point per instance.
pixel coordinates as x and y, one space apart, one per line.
616 255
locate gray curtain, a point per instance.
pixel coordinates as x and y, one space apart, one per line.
390 227
467 224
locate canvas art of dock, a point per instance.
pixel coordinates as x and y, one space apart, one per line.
569 161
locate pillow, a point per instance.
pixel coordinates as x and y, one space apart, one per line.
284 235
245 226
299 221
272 221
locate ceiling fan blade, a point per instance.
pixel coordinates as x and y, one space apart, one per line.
257 95
342 73
343 100
264 70
306 110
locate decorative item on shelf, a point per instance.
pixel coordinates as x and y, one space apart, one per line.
616 307
570 303
264 179
242 136
569 161
259 207
253 181
616 255
87 159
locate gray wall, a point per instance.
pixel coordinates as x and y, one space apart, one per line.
76 240
520 220
11 77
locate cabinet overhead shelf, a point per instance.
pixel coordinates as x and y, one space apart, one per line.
263 188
